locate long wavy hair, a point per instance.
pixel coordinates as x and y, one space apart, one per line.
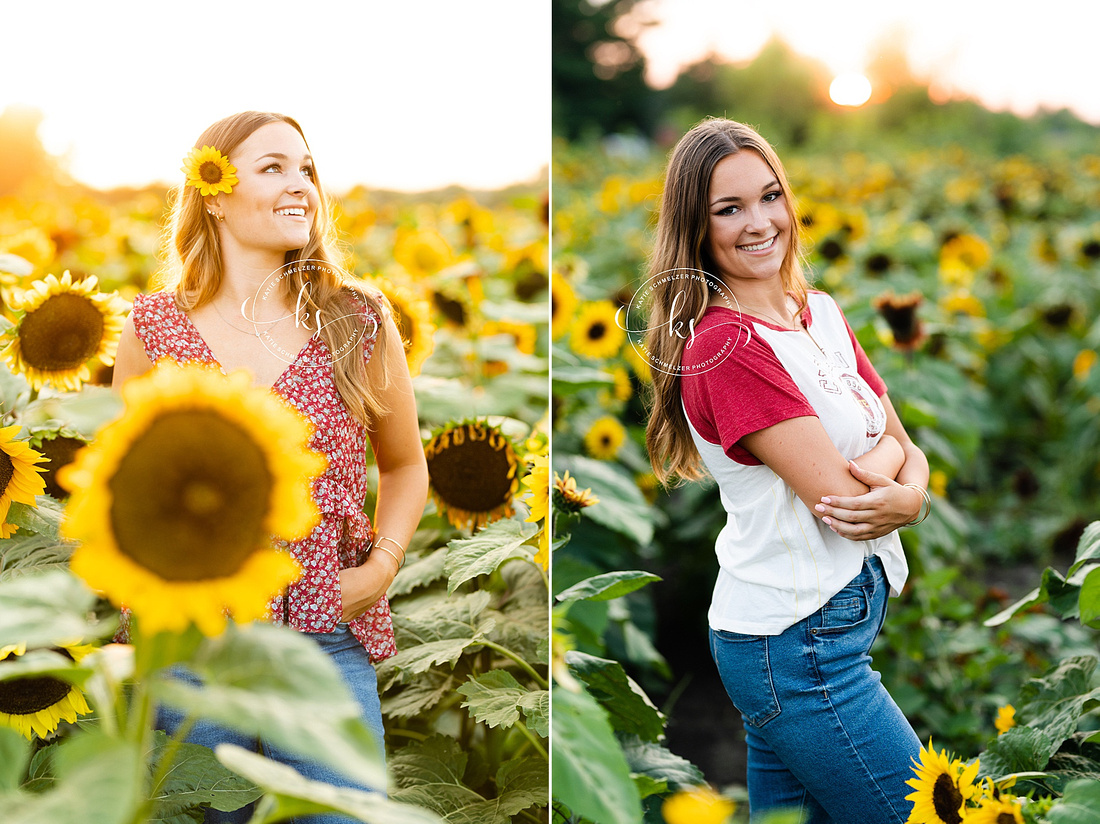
681 245
193 256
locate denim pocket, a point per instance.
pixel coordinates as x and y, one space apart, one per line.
848 608
743 664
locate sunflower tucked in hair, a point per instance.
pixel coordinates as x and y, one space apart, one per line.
209 171
473 469
176 502
37 704
19 480
941 788
595 334
64 325
412 314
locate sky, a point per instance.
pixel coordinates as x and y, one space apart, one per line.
1010 56
396 95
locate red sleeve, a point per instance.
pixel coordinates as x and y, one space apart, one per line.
746 391
863 364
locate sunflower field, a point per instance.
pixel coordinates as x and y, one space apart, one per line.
465 700
973 282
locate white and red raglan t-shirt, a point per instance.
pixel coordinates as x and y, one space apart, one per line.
777 562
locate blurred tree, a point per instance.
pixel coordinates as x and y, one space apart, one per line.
779 92
597 76
22 156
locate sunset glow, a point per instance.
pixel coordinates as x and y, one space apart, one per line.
850 90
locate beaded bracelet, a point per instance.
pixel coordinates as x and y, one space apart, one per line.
925 504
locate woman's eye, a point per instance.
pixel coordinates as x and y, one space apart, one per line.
308 172
770 196
729 210
273 166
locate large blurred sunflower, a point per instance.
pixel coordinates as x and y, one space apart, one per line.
698 805
422 251
413 316
209 171
37 704
64 325
941 788
19 478
595 334
473 469
176 503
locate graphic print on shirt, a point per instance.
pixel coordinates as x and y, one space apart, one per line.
836 379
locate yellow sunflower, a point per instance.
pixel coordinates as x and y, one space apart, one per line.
37 704
64 325
209 171
472 467
422 251
1006 719
58 448
996 811
604 438
698 805
538 482
412 314
595 334
569 497
19 478
941 788
176 503
563 302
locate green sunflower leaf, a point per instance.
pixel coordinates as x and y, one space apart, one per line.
429 774
496 699
272 682
628 707
289 794
1021 749
196 778
482 554
438 630
591 775
15 754
1079 804
419 573
1088 547
419 695
607 586
660 763
44 518
42 609
1088 601
1055 701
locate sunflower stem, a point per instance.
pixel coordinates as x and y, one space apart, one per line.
519 660
533 739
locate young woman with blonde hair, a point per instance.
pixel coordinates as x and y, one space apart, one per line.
253 283
769 392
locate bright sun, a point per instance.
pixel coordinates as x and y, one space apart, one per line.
850 90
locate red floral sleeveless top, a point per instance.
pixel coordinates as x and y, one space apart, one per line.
340 541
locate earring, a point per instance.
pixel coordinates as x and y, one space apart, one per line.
215 216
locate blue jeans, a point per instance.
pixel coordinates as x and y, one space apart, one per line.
354 664
824 735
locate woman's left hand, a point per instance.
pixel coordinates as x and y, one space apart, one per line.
887 506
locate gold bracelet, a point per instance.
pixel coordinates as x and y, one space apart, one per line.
925 504
392 541
390 553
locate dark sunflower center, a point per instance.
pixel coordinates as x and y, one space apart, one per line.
24 696
1006 818
62 333
472 475
7 470
946 800
59 452
190 496
1091 249
597 331
210 172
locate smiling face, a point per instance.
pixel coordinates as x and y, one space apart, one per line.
274 205
749 226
